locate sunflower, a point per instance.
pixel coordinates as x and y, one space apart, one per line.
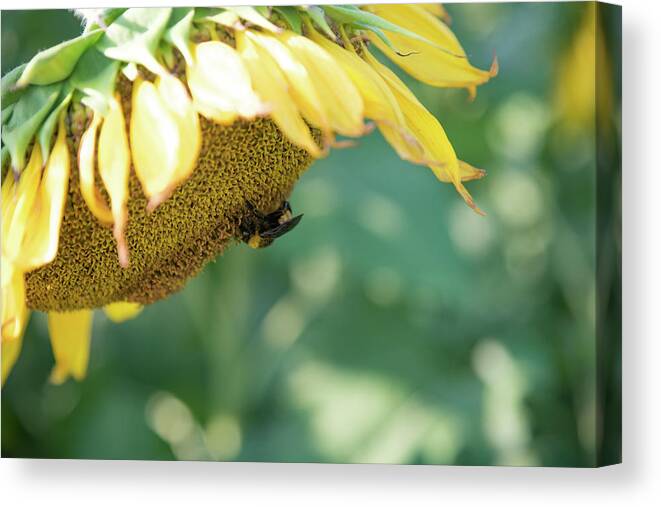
136 152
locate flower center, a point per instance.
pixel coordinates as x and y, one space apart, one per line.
247 162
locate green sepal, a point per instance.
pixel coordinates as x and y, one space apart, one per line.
292 17
27 117
4 156
253 16
11 94
205 13
318 16
95 77
134 36
107 17
6 113
263 10
178 30
56 63
379 33
366 20
48 127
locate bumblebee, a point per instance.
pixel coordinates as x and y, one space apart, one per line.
259 230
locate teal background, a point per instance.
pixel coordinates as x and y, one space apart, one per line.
393 325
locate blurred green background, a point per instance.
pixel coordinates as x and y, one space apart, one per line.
394 324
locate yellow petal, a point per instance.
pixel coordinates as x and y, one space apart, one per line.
8 204
339 97
70 334
121 311
404 143
380 103
427 130
443 64
271 85
7 191
86 171
174 95
155 139
26 192
114 166
11 349
409 149
221 85
302 88
14 312
40 245
468 173
437 10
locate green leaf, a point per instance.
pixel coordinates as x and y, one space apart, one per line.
56 63
367 20
48 128
4 156
263 10
252 16
135 35
28 114
10 93
6 113
95 76
106 17
292 17
177 32
204 13
319 17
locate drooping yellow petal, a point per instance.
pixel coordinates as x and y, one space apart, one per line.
8 204
412 151
175 97
271 85
437 10
70 334
121 311
155 139
442 63
86 170
114 161
468 173
380 103
340 98
7 189
11 349
14 312
403 142
40 245
220 84
302 88
22 203
427 130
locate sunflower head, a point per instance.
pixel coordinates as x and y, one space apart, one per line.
138 151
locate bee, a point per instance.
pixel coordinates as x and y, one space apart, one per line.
259 230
